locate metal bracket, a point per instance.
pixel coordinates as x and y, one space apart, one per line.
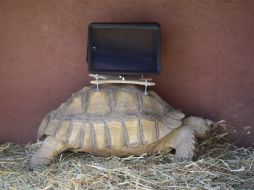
102 79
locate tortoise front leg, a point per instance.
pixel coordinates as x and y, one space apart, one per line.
184 143
182 139
50 148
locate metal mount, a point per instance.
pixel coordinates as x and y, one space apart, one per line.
102 79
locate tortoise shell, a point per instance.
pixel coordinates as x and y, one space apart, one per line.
117 119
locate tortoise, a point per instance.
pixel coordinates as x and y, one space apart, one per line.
117 120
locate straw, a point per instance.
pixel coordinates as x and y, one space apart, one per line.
218 165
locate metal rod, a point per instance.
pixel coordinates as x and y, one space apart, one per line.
146 93
97 79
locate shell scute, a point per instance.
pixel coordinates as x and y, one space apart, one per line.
150 105
132 131
74 107
74 137
163 130
116 134
87 137
150 133
101 137
52 127
98 103
126 102
63 130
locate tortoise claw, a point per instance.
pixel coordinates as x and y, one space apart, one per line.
37 162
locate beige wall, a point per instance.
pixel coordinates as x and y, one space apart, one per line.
207 57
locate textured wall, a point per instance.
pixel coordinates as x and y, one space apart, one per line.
207 57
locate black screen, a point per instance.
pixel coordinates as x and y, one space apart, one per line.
124 48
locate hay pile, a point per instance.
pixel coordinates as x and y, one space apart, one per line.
219 166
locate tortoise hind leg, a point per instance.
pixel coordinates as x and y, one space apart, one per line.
50 148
